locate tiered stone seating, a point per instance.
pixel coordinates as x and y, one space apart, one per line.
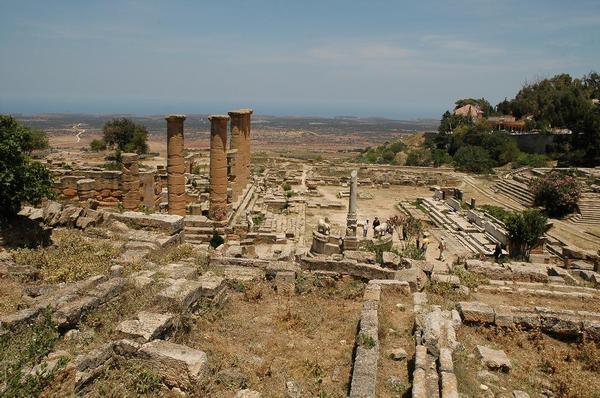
515 190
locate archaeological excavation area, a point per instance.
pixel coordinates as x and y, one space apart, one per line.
225 273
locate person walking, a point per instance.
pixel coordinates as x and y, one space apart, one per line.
365 228
442 247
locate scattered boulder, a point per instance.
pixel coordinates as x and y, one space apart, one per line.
398 354
246 393
147 326
493 359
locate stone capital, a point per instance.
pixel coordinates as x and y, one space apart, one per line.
174 118
218 117
240 112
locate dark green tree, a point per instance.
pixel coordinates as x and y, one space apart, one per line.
125 135
558 193
98 145
473 159
21 179
524 231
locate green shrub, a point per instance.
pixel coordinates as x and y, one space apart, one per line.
557 192
473 159
216 240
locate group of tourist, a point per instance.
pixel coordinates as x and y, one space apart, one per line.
365 227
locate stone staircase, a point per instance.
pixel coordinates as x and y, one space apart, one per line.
516 190
199 229
589 209
469 235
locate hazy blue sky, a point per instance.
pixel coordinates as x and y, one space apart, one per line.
400 59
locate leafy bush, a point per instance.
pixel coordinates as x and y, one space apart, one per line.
473 159
418 157
98 145
530 160
21 179
557 192
216 240
500 213
524 231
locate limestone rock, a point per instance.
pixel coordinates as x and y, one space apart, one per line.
398 354
520 394
493 359
292 390
391 260
246 393
475 311
415 277
147 326
178 365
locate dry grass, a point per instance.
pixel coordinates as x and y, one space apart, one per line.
10 296
73 256
273 339
176 253
540 362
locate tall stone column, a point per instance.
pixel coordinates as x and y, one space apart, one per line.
240 140
351 220
175 165
130 181
217 209
350 240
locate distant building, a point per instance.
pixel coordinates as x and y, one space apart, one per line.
472 111
507 122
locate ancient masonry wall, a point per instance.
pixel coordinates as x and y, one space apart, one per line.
109 187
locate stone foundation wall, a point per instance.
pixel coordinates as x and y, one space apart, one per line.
109 187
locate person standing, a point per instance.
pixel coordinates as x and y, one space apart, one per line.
442 247
497 252
424 245
365 228
376 223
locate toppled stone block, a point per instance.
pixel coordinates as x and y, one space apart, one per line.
449 385
182 292
19 318
109 289
168 223
178 365
443 278
69 313
415 277
179 271
142 279
391 260
475 312
360 256
147 326
493 359
398 354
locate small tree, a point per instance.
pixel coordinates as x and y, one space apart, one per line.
524 231
557 192
98 145
126 136
21 179
412 227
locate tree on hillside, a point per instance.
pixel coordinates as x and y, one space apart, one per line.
473 159
524 231
125 135
558 193
21 179
449 122
98 145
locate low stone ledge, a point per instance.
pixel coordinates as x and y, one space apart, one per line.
364 271
168 223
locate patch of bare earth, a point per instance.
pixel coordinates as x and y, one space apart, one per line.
396 321
273 338
539 362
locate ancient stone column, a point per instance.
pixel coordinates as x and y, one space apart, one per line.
350 240
240 140
217 209
175 165
130 181
351 220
